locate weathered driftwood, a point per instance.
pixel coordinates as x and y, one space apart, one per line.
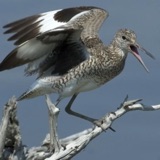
11 146
10 138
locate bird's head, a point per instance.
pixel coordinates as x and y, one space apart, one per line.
126 41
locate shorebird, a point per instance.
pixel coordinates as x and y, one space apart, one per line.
64 49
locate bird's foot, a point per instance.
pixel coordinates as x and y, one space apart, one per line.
99 123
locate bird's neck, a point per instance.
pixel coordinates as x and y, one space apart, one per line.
117 51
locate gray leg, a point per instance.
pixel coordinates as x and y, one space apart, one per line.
71 112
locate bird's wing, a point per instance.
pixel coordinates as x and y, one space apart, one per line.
64 57
39 36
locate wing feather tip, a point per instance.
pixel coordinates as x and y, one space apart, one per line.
2 67
11 61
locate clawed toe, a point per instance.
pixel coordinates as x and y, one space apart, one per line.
99 123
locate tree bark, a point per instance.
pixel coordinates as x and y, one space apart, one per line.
12 148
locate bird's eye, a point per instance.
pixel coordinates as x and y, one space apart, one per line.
123 37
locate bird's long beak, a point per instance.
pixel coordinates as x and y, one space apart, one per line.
134 50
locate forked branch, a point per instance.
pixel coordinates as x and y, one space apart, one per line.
53 147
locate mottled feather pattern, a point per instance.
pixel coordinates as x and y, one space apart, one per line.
64 49
65 15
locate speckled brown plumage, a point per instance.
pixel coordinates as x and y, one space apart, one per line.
63 47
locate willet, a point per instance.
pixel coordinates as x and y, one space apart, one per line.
64 48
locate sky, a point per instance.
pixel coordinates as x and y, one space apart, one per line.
137 133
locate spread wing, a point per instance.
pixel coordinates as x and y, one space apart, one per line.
53 42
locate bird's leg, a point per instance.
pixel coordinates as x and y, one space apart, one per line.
71 112
53 115
57 102
92 120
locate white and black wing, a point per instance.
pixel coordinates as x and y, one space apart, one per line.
43 39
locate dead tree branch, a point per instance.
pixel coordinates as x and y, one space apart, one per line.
10 139
53 147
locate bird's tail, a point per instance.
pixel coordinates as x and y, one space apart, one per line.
29 94
39 88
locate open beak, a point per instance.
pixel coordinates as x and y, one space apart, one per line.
134 50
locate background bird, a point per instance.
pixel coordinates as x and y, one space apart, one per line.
64 49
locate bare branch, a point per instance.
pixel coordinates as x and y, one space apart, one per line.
10 141
75 143
53 147
53 116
